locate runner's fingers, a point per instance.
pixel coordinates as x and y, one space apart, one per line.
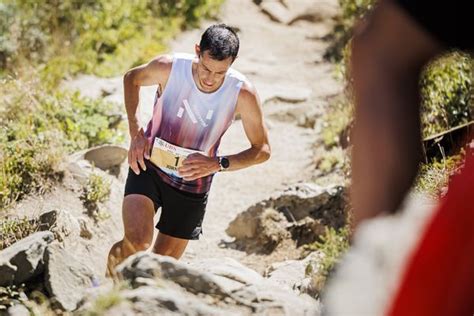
189 161
147 150
195 176
184 171
188 171
185 168
134 166
195 159
141 162
191 177
195 173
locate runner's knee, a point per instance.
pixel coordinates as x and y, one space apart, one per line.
133 243
138 223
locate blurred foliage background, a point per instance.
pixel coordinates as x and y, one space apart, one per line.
447 102
446 83
446 92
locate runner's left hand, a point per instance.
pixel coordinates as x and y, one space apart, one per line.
196 166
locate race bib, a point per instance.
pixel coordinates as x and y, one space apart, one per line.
169 157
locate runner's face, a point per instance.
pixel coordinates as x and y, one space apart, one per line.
211 72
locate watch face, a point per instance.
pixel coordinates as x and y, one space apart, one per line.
225 162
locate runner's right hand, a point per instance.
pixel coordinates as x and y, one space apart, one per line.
139 150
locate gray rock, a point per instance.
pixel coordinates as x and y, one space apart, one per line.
140 265
106 156
62 224
230 274
109 158
269 296
229 268
168 301
260 228
165 286
302 211
67 277
24 259
309 199
18 310
150 265
291 274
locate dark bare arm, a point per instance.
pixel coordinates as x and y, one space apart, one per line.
388 55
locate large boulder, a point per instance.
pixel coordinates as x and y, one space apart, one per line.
106 156
262 229
67 277
301 212
163 285
146 265
24 259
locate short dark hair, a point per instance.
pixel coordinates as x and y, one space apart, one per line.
221 41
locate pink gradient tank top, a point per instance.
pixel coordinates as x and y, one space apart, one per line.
187 117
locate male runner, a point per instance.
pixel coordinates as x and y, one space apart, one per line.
172 163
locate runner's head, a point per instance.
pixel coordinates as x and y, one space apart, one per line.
217 51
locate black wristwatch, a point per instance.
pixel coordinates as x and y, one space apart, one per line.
223 163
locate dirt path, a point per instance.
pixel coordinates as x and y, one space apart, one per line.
285 64
278 59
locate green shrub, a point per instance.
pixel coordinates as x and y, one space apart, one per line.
38 128
336 121
332 246
10 296
105 302
351 12
434 176
446 91
446 83
96 190
14 229
101 37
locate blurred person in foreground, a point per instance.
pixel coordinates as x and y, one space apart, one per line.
389 52
172 162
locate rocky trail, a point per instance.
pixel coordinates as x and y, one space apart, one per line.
257 218
284 63
281 53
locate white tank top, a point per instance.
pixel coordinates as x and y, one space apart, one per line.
187 117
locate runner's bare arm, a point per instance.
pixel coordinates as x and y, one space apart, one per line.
249 107
250 110
154 72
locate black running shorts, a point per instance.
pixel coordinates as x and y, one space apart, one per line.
449 22
181 212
